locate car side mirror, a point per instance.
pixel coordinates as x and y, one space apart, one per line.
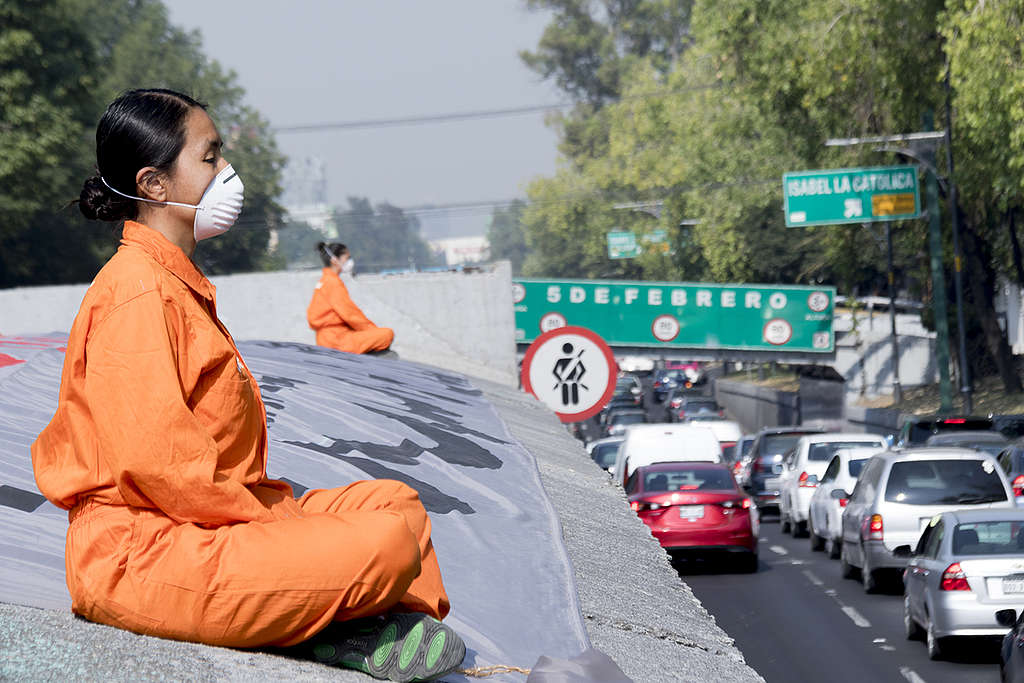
838 494
1006 617
905 551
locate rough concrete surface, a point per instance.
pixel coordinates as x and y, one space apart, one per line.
635 606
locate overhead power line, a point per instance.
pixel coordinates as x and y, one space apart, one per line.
427 119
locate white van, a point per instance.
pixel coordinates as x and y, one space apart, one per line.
651 443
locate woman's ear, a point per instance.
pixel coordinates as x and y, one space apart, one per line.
150 184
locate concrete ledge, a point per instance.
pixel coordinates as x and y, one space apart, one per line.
755 406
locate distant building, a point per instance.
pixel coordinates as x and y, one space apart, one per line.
461 250
305 194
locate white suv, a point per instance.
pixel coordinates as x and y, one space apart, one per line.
804 464
899 492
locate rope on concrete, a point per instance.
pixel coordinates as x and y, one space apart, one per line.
485 671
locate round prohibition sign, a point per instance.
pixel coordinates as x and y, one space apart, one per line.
777 331
572 371
665 328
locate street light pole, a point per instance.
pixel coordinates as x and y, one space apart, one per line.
897 389
958 282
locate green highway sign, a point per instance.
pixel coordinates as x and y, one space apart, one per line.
680 315
622 245
851 195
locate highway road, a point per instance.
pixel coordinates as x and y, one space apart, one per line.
796 619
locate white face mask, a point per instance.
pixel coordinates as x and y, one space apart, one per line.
348 266
217 209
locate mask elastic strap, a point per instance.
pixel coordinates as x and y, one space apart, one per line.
151 201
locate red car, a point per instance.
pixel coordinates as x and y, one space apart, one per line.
694 507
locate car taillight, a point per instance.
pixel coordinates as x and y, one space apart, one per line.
843 502
1018 485
721 413
676 402
875 528
634 506
804 483
954 579
954 421
737 467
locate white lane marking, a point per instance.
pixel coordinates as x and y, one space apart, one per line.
878 640
796 562
888 648
856 617
778 550
812 578
910 675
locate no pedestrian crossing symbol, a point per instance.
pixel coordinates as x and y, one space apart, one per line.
572 371
851 195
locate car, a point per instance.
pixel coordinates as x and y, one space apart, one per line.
695 507
991 442
681 405
741 463
603 451
620 403
803 465
648 444
629 386
897 494
1011 660
966 568
618 420
640 365
667 380
1011 460
766 461
917 428
728 433
825 514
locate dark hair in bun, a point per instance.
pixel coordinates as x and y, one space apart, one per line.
140 128
335 248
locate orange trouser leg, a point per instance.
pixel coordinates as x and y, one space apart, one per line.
255 584
426 593
350 341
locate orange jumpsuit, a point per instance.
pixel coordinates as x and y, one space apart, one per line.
339 323
159 450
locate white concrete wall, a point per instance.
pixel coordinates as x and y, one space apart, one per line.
864 359
458 321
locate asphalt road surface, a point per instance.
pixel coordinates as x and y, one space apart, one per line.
796 619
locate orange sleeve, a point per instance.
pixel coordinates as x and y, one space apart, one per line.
157 451
343 305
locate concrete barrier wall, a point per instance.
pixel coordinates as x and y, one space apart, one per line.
821 400
881 421
757 407
459 321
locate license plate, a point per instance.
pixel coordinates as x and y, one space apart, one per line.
691 511
1013 585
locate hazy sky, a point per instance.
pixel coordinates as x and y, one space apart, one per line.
310 61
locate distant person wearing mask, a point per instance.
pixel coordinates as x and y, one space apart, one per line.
337 321
158 448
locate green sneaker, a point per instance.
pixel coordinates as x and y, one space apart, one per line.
396 647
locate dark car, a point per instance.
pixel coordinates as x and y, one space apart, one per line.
667 380
629 386
1011 459
619 403
918 428
618 420
681 406
1011 661
990 442
766 461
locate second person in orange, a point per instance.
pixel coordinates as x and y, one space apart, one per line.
337 320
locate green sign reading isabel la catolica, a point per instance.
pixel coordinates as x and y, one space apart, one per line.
851 195
680 314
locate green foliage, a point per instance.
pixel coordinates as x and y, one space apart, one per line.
61 63
506 236
382 237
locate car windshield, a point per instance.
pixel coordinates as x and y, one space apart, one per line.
689 480
944 482
823 452
777 444
604 454
628 418
855 466
747 443
699 404
989 538
729 452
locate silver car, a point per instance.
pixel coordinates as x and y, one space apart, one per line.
899 492
967 566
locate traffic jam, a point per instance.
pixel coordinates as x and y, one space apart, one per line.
822 537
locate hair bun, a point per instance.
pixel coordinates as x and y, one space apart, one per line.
98 202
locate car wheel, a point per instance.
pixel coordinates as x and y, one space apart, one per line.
934 643
798 528
817 542
911 629
845 568
868 577
783 522
833 548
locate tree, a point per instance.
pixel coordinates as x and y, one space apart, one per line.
382 237
506 236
